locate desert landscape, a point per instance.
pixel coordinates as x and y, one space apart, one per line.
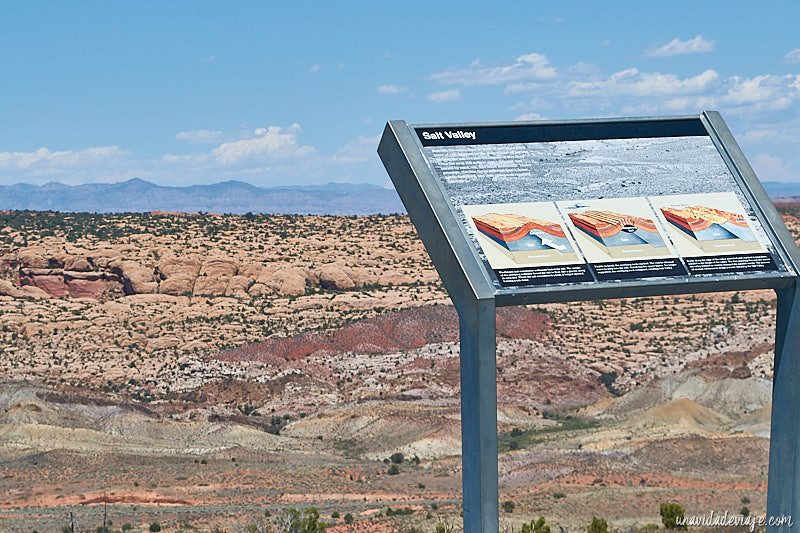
208 372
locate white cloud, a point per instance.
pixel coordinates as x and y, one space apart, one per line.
631 82
445 96
357 151
273 142
67 166
676 47
770 168
391 89
605 43
269 155
523 87
525 67
199 136
786 133
583 68
762 93
532 106
209 59
530 116
315 68
792 56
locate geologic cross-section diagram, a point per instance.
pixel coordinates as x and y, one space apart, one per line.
712 230
517 236
617 233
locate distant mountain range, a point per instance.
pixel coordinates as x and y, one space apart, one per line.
779 189
136 195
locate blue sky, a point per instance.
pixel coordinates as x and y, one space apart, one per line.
298 92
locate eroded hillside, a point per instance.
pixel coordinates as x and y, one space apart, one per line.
170 364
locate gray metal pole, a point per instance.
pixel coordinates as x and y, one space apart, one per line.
783 493
479 416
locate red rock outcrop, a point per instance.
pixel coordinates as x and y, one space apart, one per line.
53 285
395 331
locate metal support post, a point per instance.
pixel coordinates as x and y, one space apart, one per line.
479 416
783 494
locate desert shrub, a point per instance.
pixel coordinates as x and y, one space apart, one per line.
127 526
445 526
335 514
745 511
598 525
155 526
393 470
608 379
348 518
536 526
670 513
509 506
397 458
293 521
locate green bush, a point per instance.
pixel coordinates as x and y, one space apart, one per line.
670 514
335 514
399 512
598 525
509 506
444 526
155 526
348 518
397 458
536 526
292 521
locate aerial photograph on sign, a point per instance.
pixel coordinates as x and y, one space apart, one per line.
571 170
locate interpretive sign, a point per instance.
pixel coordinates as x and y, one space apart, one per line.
516 213
546 205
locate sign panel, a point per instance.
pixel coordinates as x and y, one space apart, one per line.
554 204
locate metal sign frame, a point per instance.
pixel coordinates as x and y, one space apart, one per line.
475 295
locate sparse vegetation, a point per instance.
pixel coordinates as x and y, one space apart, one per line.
671 513
598 525
536 526
93 357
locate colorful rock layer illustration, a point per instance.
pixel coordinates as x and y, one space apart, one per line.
612 229
712 229
518 235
